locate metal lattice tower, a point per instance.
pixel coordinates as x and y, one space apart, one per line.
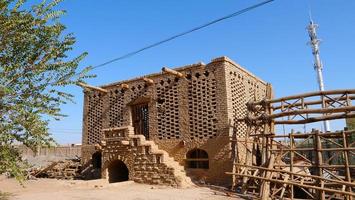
317 61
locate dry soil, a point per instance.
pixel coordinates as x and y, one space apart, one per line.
51 189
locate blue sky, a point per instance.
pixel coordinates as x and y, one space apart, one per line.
270 41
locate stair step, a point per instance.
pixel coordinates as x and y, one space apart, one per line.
149 148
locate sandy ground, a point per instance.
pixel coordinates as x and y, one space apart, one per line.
51 189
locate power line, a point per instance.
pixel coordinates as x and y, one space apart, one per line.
184 33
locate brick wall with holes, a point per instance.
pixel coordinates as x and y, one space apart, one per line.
243 87
184 113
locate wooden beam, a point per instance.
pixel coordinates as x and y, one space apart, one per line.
148 81
124 86
313 166
317 119
309 111
324 135
346 158
350 184
292 155
312 149
83 85
294 183
303 121
265 185
307 103
173 72
305 95
346 109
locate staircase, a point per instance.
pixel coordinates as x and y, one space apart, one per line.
148 164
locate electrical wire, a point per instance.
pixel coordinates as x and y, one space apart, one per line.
184 33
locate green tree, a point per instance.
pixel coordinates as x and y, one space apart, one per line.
34 70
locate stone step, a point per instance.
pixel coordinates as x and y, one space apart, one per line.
159 156
137 140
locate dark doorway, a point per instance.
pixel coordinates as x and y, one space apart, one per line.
117 172
96 160
140 119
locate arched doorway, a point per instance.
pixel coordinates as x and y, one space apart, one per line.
117 172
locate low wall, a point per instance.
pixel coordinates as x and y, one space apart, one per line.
46 155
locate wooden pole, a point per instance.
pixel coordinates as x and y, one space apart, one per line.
245 179
91 87
173 72
324 135
234 156
335 181
292 153
148 81
346 160
290 182
319 162
311 111
265 185
308 103
317 119
124 86
268 155
305 95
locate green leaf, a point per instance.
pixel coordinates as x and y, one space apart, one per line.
34 70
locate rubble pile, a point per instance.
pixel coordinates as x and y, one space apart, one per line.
67 169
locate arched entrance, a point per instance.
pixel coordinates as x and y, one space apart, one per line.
117 172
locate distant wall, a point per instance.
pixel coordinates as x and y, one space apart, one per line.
46 155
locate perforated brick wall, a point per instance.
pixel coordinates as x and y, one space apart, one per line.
115 111
136 90
118 98
202 101
239 101
165 94
168 108
95 117
244 88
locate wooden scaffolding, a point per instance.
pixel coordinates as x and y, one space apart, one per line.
308 165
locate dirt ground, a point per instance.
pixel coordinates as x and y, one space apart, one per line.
51 189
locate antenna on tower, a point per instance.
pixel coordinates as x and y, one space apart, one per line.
317 61
310 13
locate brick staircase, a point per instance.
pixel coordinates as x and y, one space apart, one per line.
150 164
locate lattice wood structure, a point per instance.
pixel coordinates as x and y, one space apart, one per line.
313 165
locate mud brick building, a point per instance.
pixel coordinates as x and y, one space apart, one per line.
169 127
